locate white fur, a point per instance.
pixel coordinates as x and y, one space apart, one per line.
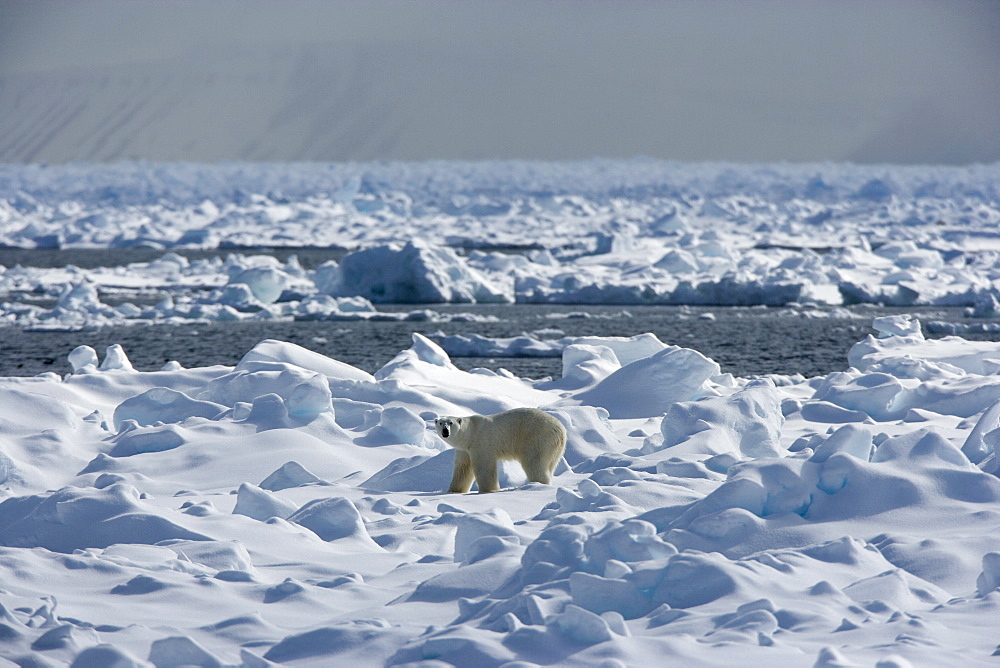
528 435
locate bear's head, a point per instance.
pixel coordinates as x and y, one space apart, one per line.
446 426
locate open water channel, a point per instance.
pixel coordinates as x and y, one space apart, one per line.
744 341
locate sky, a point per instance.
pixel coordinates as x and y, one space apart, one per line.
891 81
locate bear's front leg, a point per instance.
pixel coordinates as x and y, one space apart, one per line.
461 479
486 474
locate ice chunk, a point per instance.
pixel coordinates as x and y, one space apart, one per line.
180 651
824 411
266 283
921 443
476 345
414 474
588 433
895 587
64 636
989 579
115 359
401 425
582 625
162 404
876 394
79 297
981 446
219 555
82 356
368 641
987 305
470 580
897 325
920 369
76 518
584 365
590 499
427 351
648 386
947 354
304 393
260 504
309 399
561 545
626 349
692 579
742 493
333 518
633 540
852 439
830 657
747 422
105 655
270 350
893 661
488 547
753 620
418 273
678 261
603 594
327 278
473 526
837 472
269 411
729 526
131 441
785 489
291 474
237 296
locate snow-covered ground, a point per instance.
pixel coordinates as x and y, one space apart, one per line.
290 509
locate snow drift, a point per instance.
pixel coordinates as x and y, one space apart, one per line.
290 510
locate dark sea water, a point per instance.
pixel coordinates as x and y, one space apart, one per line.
744 341
88 258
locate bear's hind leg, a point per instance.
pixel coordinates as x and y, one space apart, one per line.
461 479
537 469
486 475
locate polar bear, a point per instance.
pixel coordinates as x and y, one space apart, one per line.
532 437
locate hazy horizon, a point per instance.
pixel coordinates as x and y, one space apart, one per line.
905 82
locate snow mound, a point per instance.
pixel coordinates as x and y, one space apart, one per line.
648 386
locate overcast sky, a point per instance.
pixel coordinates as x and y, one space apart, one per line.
744 80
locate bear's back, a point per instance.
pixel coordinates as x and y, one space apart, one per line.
524 423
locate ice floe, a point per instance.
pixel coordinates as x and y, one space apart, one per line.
291 509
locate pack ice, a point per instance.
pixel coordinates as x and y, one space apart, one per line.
594 232
289 510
